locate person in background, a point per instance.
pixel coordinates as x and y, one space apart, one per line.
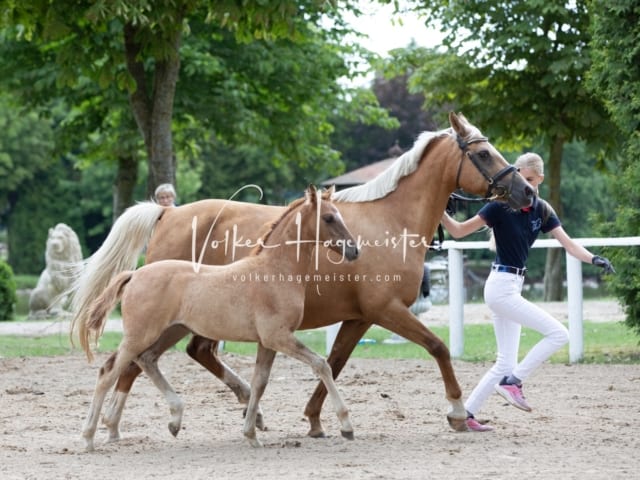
514 232
165 195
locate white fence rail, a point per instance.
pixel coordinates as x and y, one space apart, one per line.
456 291
574 289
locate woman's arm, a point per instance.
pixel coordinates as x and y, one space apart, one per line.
462 229
580 252
571 246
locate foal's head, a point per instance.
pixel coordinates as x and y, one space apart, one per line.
331 229
314 218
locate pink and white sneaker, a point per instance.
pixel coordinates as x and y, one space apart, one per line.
513 395
475 426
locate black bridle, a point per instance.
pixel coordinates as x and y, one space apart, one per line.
494 190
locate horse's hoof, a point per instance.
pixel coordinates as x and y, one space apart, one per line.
174 429
316 434
458 424
347 435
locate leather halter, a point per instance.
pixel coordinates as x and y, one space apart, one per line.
492 181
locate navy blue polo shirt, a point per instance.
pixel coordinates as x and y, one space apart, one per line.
516 230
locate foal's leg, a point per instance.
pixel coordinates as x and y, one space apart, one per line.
264 362
348 336
148 361
112 416
113 413
290 345
107 376
400 320
204 351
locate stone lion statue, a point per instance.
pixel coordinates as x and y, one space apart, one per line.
62 255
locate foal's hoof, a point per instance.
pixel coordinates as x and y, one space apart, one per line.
254 442
260 422
347 435
174 428
458 424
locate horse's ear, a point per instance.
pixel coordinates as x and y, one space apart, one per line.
310 194
327 193
459 124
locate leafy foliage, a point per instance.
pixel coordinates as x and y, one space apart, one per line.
615 76
8 296
363 142
26 146
256 91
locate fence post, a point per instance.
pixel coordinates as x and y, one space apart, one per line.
574 301
456 303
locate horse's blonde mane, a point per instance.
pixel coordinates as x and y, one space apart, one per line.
387 181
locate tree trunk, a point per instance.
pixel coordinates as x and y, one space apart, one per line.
126 178
162 164
553 273
154 112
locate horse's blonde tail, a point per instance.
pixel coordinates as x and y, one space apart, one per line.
119 252
91 325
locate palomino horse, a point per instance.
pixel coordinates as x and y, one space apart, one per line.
257 299
394 217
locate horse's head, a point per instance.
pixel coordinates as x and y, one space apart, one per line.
492 176
331 229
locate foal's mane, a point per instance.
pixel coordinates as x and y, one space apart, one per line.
292 206
387 181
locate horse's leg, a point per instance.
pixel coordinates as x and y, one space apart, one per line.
291 346
348 336
113 413
112 416
400 320
107 376
264 362
148 361
204 351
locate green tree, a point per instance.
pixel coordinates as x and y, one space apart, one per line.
260 74
615 76
26 148
362 143
137 47
517 69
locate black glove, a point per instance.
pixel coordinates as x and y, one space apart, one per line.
603 263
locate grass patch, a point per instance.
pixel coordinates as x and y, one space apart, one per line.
26 281
603 343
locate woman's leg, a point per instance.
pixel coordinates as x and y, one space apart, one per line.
525 313
500 291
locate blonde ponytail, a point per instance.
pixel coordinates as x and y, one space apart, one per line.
492 241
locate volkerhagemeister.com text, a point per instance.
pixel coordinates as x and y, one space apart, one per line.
315 277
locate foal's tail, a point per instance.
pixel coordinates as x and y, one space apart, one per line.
91 324
119 252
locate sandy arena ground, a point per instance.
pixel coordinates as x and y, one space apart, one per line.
584 425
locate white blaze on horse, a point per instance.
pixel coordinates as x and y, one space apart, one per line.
257 299
392 216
